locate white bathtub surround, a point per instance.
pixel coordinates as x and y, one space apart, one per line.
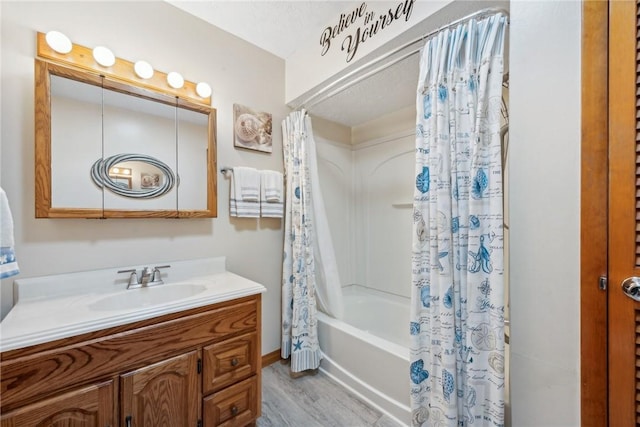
309 272
59 306
375 327
457 312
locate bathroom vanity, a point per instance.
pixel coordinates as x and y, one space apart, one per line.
187 358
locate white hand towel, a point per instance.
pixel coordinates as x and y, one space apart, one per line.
244 200
271 186
271 191
249 181
8 263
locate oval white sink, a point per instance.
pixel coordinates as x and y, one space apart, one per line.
146 297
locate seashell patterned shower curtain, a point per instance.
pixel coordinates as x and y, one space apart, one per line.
309 268
457 306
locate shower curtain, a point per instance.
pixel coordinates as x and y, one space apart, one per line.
457 309
309 270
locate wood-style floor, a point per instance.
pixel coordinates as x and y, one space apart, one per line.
313 401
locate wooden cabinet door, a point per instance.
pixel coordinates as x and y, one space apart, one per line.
165 394
624 214
90 406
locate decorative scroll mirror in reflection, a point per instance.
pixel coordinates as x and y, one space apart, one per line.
115 174
109 148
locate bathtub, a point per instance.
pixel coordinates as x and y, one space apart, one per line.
368 352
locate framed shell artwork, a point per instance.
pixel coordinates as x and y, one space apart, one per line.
252 129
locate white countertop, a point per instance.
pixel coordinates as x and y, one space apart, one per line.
53 307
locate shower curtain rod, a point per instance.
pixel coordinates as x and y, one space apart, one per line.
322 94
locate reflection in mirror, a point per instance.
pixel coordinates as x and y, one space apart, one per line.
192 159
74 147
138 125
133 175
152 155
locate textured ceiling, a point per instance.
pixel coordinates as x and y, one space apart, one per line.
384 92
279 27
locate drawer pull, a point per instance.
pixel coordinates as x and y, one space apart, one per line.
234 411
127 421
234 361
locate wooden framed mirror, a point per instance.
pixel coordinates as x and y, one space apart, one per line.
110 146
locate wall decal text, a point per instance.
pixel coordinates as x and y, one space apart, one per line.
367 24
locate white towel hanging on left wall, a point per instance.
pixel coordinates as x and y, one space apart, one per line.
8 263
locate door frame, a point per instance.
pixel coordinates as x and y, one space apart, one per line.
594 213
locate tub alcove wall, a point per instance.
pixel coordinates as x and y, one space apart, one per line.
367 189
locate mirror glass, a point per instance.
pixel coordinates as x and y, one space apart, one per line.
193 155
73 147
144 131
117 150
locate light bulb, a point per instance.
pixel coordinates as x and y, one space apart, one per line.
175 80
58 42
103 56
143 69
203 89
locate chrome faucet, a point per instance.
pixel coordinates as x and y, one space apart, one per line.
148 277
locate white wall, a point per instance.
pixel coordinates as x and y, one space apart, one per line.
170 40
544 188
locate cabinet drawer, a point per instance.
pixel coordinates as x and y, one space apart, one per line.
235 406
229 361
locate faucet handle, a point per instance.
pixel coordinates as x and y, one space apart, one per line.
156 272
133 279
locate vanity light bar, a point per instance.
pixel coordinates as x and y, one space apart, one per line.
120 69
